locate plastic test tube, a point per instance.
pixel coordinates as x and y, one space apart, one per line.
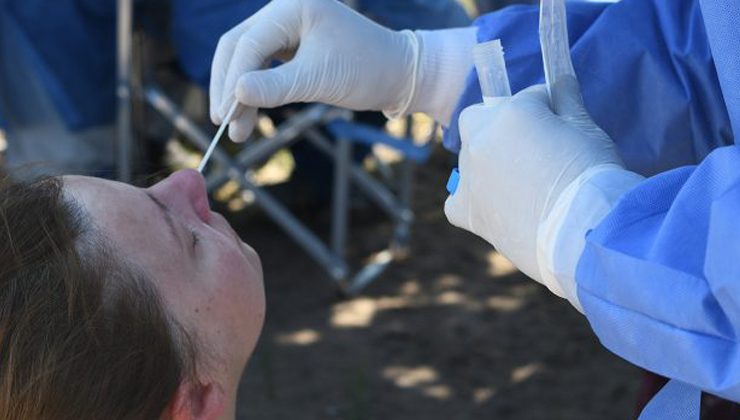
494 82
554 40
491 67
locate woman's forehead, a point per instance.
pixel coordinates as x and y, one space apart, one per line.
101 195
118 209
125 215
79 182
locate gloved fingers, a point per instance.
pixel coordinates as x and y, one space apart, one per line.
220 65
456 209
249 45
472 121
472 116
254 48
225 53
475 118
242 126
272 87
534 94
529 108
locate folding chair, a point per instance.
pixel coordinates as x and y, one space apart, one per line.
305 124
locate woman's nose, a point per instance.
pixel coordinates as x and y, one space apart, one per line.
184 191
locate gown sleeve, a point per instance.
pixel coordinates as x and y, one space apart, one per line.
659 278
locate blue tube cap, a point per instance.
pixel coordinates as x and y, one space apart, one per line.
453 182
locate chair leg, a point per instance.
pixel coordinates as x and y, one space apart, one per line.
124 52
340 199
402 233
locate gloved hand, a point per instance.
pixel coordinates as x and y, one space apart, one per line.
518 157
333 55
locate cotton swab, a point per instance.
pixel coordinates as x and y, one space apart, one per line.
217 137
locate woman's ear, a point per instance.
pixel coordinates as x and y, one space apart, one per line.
197 402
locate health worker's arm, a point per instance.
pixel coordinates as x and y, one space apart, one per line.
658 276
646 73
659 279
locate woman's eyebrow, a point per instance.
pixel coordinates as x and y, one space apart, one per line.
167 217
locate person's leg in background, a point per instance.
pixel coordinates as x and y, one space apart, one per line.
37 133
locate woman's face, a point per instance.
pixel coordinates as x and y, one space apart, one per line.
209 279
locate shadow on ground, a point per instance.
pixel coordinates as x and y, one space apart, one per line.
453 332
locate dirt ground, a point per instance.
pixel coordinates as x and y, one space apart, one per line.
452 332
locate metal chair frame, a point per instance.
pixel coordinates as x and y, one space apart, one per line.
306 123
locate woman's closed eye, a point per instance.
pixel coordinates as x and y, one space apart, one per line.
196 238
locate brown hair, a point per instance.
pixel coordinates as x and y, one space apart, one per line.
82 334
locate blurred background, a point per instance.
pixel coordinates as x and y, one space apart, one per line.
377 307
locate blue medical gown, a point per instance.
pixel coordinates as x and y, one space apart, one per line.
659 279
646 70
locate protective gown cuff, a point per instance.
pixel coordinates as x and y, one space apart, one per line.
445 57
561 236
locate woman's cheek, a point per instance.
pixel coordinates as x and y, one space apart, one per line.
253 258
237 268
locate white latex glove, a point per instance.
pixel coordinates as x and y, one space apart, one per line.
334 55
518 157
